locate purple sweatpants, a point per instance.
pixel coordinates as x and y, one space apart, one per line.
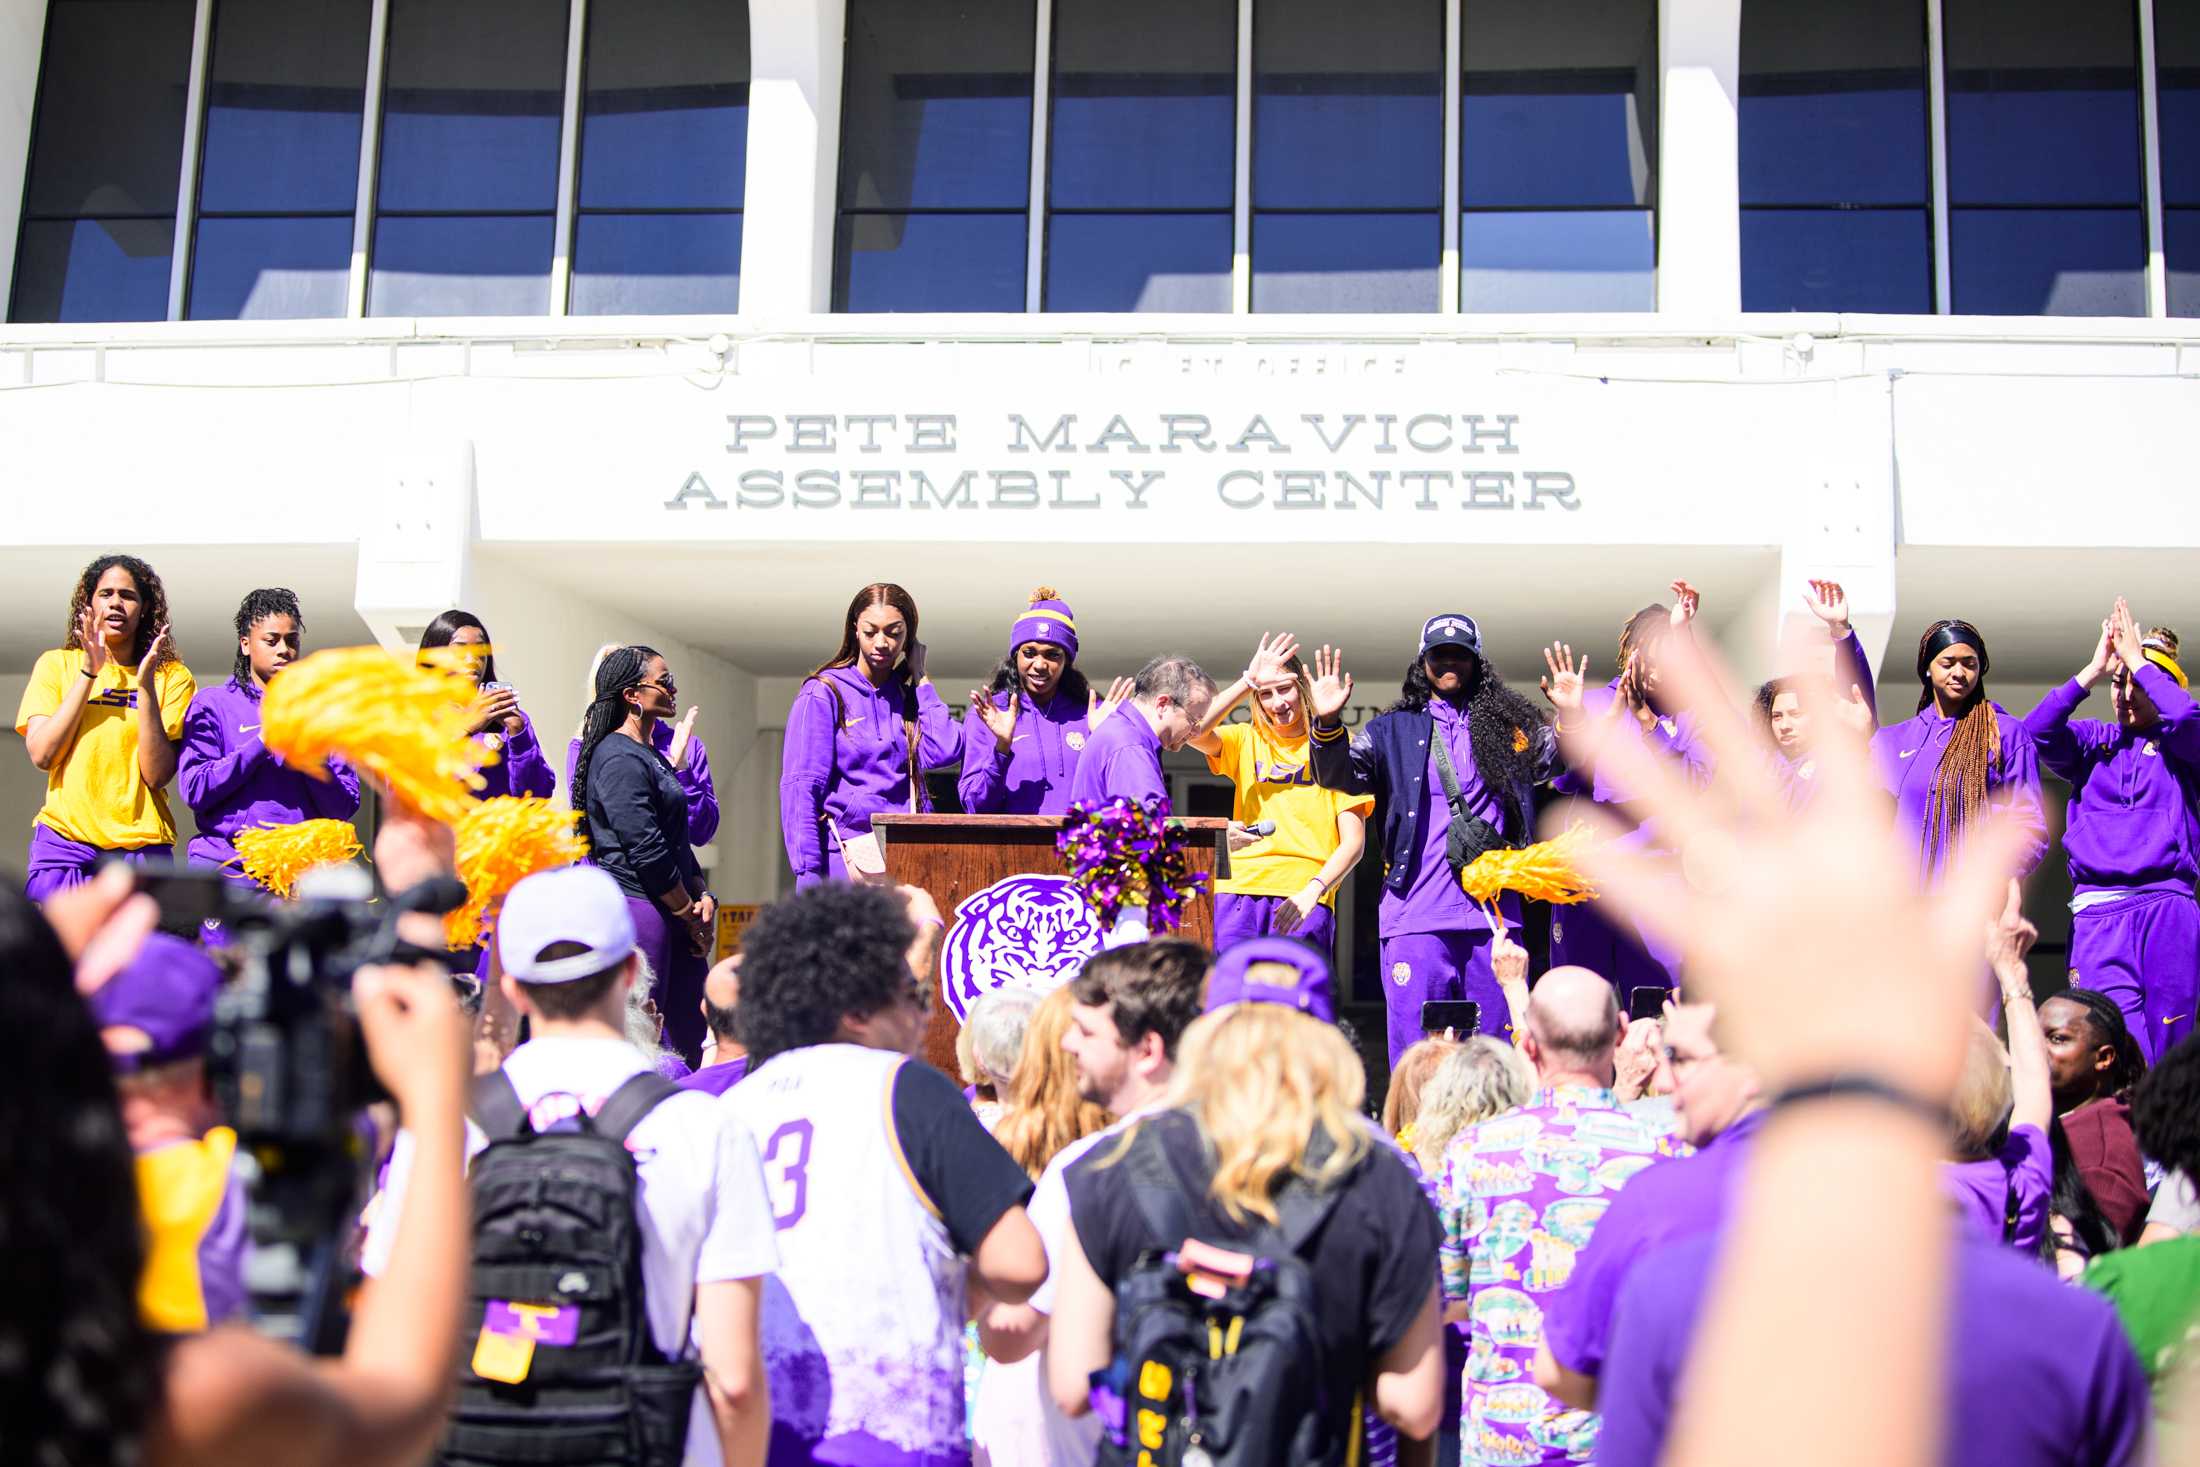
2142 952
1238 918
1422 967
57 863
1588 935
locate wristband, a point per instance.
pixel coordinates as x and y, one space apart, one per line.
1862 1087
89 675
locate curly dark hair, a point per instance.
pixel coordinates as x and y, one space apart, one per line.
1503 730
152 612
2109 1028
256 606
830 950
80 1373
2165 1108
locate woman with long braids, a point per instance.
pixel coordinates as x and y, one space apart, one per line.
1961 757
230 779
520 768
1283 883
636 814
1455 726
100 718
682 747
2133 838
863 729
1636 705
1026 727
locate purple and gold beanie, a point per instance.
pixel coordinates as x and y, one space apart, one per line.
1048 619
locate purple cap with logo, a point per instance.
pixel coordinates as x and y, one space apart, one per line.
1307 988
160 1007
1047 619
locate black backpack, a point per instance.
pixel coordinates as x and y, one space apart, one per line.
555 1233
1210 1373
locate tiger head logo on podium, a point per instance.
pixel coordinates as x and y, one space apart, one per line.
1031 932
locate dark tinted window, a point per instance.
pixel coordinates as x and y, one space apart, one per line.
1805 259
456 265
1138 262
1346 262
935 115
106 155
2177 109
2052 262
1568 260
285 88
664 127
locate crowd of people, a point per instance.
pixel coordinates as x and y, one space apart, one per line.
1770 1151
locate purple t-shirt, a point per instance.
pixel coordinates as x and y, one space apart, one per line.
1981 1188
716 1079
2039 1374
1122 757
1669 1202
1435 902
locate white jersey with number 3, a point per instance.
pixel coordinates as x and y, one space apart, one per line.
862 1325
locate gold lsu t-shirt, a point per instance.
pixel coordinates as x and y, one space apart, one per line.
1275 781
94 792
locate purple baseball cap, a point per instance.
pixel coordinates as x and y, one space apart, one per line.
1308 989
160 1007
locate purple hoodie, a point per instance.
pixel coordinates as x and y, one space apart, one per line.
1033 776
234 782
1849 670
702 797
2134 815
1122 757
859 768
1908 755
522 770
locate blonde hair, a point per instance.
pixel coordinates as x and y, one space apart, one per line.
1045 1113
1259 1078
1402 1102
1473 1081
1983 1096
990 1043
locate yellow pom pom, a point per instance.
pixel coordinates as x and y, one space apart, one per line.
277 855
1543 872
409 727
500 842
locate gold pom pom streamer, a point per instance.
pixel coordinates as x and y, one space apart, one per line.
501 842
409 727
1543 872
277 855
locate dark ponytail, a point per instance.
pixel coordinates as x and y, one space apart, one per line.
620 669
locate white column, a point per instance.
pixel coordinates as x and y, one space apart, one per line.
187 178
1699 175
795 50
416 540
569 152
22 36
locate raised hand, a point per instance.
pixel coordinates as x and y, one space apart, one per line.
683 737
153 649
1854 713
1119 692
913 663
1270 657
1686 601
95 645
1000 722
2104 653
2125 634
1564 682
1508 961
1830 604
1332 685
500 705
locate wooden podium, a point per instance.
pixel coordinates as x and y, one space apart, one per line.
969 863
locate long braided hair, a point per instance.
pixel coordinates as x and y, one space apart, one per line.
152 608
620 669
1502 729
1958 795
256 606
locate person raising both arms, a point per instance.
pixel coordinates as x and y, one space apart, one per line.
1639 706
1780 700
1027 727
231 780
863 729
504 726
2133 837
1284 883
1453 764
101 717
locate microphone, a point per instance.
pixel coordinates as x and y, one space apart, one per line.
1261 828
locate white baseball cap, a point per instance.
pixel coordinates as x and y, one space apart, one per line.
571 904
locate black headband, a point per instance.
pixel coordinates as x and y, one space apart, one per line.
1954 634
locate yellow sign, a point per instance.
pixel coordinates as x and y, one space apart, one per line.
733 920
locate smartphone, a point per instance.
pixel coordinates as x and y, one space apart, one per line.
1463 1016
1646 1002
